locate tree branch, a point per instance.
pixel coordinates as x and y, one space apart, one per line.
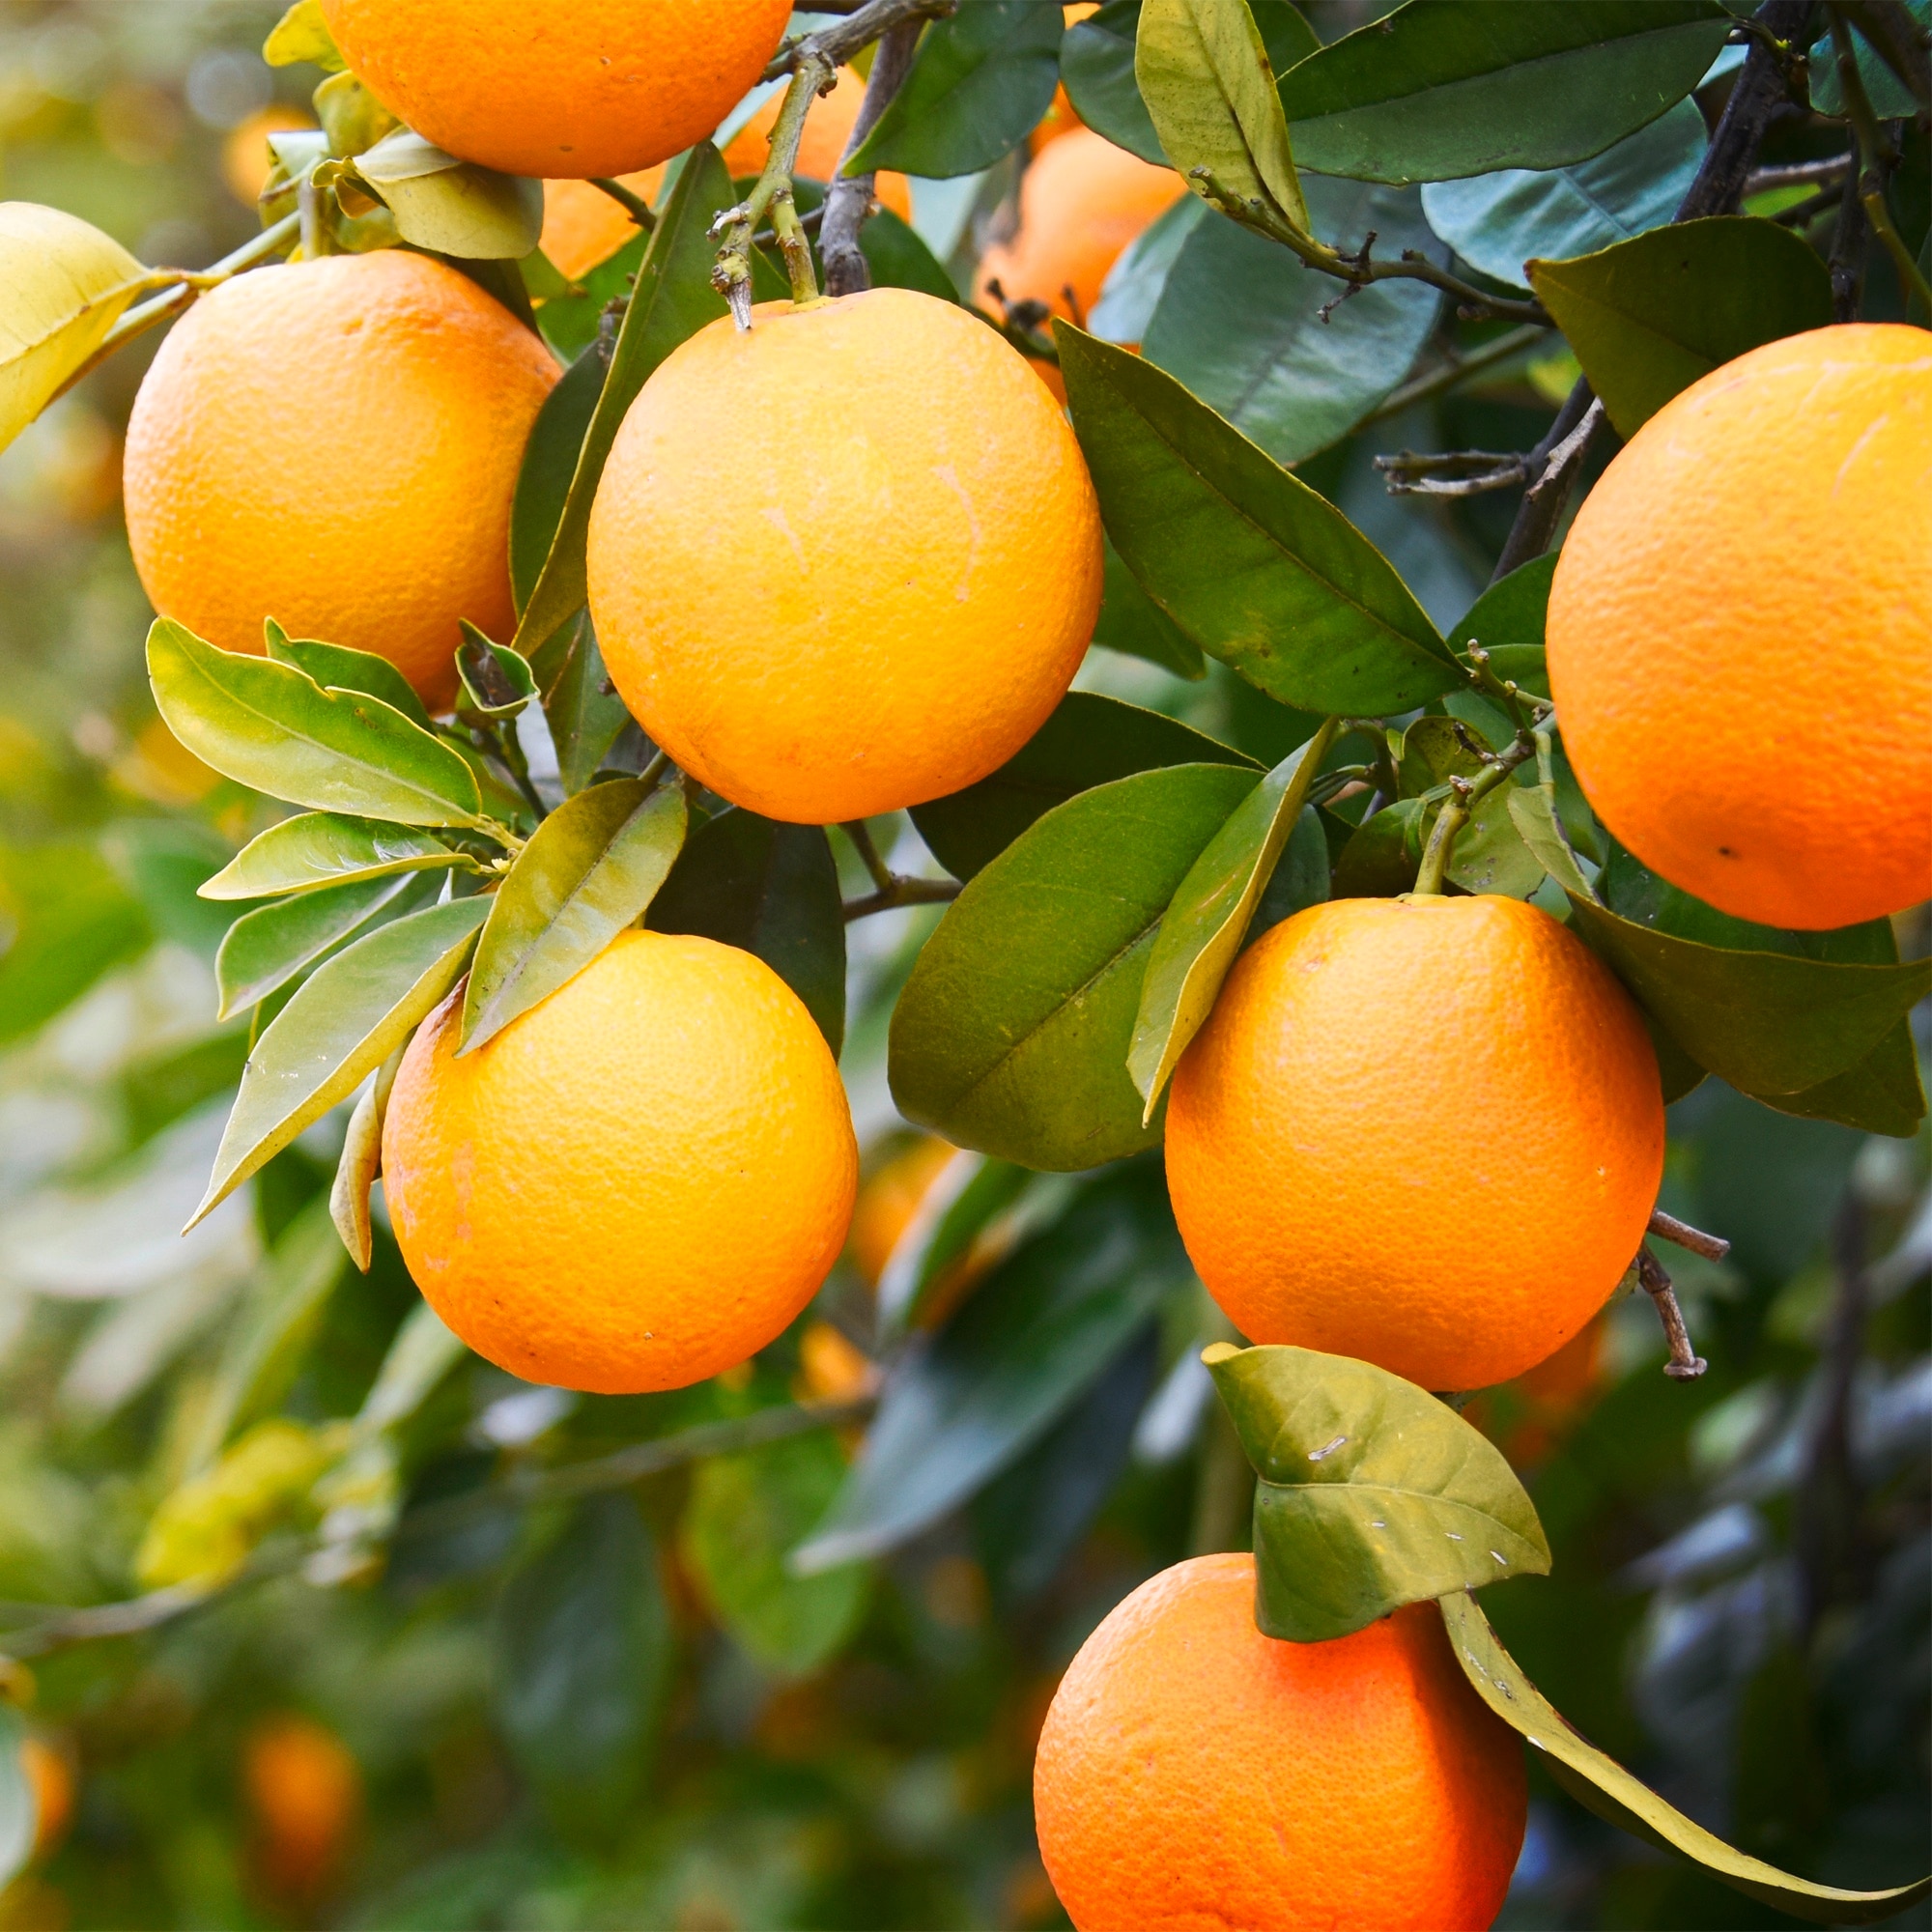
849 200
1684 1363
853 35
1554 464
1681 1235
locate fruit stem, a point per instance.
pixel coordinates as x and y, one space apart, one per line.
1876 158
632 205
1685 1364
1681 1234
771 194
1464 796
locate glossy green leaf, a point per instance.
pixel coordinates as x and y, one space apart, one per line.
1253 335
583 1646
1533 812
1300 878
1209 91
348 1017
1040 1329
267 948
338 667
1507 620
978 86
771 890
493 681
301 33
1497 222
326 848
63 286
20 1810
1088 741
745 1515
451 206
1208 917
1465 87
899 259
1884 1093
549 462
1013 1033
1765 1021
1602 1785
1891 99
673 299
271 726
589 870
1259 570
586 715
1373 1493
1130 623
1647 318
361 1162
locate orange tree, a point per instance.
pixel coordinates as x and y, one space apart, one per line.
606 629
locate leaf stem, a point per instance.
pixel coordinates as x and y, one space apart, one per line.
632 205
1464 796
861 835
1877 156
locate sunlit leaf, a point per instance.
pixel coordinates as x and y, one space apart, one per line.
326 848
453 207
267 948
338 667
550 462
361 1162
301 33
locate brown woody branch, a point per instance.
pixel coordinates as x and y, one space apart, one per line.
853 35
848 199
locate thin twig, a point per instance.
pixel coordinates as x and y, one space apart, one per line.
1877 156
862 26
1460 806
901 891
771 194
861 835
1797 174
1453 472
1554 463
1684 1363
1681 1235
849 199
633 204
1458 370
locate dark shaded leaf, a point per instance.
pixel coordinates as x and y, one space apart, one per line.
1129 622
1882 1095
1383 855
550 462
1507 620
584 711
1300 877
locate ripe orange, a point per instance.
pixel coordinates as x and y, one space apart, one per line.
634 1185
1195 1773
583 226
51 1780
1741 632
1081 202
889 1200
559 87
336 445
828 127
847 561
1425 1132
304 1793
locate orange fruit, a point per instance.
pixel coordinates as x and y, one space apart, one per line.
583 226
889 1200
336 445
245 160
846 561
634 1185
1081 202
1425 1132
51 1778
1195 1773
828 127
1740 631
831 1368
559 87
1061 118
304 1794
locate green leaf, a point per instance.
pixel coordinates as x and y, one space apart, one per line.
361 1162
1256 567
1373 1494
550 462
771 890
272 727
1766 1022
348 1017
589 870
1890 98
1300 878
1602 1785
1882 1095
586 715
1533 812
327 848
745 1514
1208 919
338 667
1496 223
450 206
493 681
1037 1334
1088 741
978 86
267 948
1013 1033
63 286
899 259
422 1354
351 115
1465 87
673 299
1507 620
20 1815
1383 854
1130 623
583 1654
1647 318
65 919
301 33
1204 74
1253 335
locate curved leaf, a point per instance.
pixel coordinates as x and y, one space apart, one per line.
1648 317
1465 87
264 950
338 667
348 1017
1602 1785
1208 917
1256 567
1090 740
589 870
549 462
978 86
1013 1033
272 727
1204 74
326 848
63 286
453 207
361 1162
494 682
301 33
1373 1493
580 704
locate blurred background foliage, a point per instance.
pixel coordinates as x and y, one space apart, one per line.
621 1709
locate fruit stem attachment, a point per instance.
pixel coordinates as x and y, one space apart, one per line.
1464 796
771 195
1685 1364
1877 156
